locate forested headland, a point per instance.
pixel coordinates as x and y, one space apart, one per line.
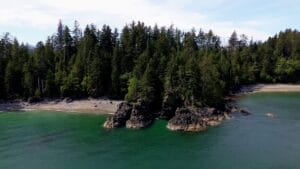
144 63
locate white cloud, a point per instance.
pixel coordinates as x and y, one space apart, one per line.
45 14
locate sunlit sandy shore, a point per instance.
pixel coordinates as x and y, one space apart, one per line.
98 106
270 88
105 106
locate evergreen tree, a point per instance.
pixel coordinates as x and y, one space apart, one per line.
77 34
150 84
233 41
116 73
211 85
144 63
13 72
5 52
59 38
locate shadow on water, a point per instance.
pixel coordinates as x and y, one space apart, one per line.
48 138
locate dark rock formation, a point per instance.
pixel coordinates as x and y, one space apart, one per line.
245 112
204 112
120 117
141 116
233 108
170 103
186 120
137 116
196 119
191 119
211 116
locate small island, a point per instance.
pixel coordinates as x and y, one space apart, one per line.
186 77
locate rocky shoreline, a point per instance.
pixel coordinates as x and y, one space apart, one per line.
196 119
187 119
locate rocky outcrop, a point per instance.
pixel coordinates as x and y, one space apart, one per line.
214 120
196 119
186 120
141 116
132 116
170 103
232 108
211 116
204 112
190 119
167 112
120 117
245 112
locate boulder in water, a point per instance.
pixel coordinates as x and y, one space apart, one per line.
272 115
245 112
186 120
120 117
140 117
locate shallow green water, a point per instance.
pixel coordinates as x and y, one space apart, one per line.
77 141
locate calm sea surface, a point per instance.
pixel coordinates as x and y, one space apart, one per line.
77 141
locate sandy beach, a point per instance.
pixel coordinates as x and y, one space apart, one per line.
98 106
105 106
269 88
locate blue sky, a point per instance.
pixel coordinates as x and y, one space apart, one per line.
33 20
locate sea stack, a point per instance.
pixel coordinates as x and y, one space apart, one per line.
120 117
140 116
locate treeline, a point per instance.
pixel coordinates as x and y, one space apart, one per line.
143 62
